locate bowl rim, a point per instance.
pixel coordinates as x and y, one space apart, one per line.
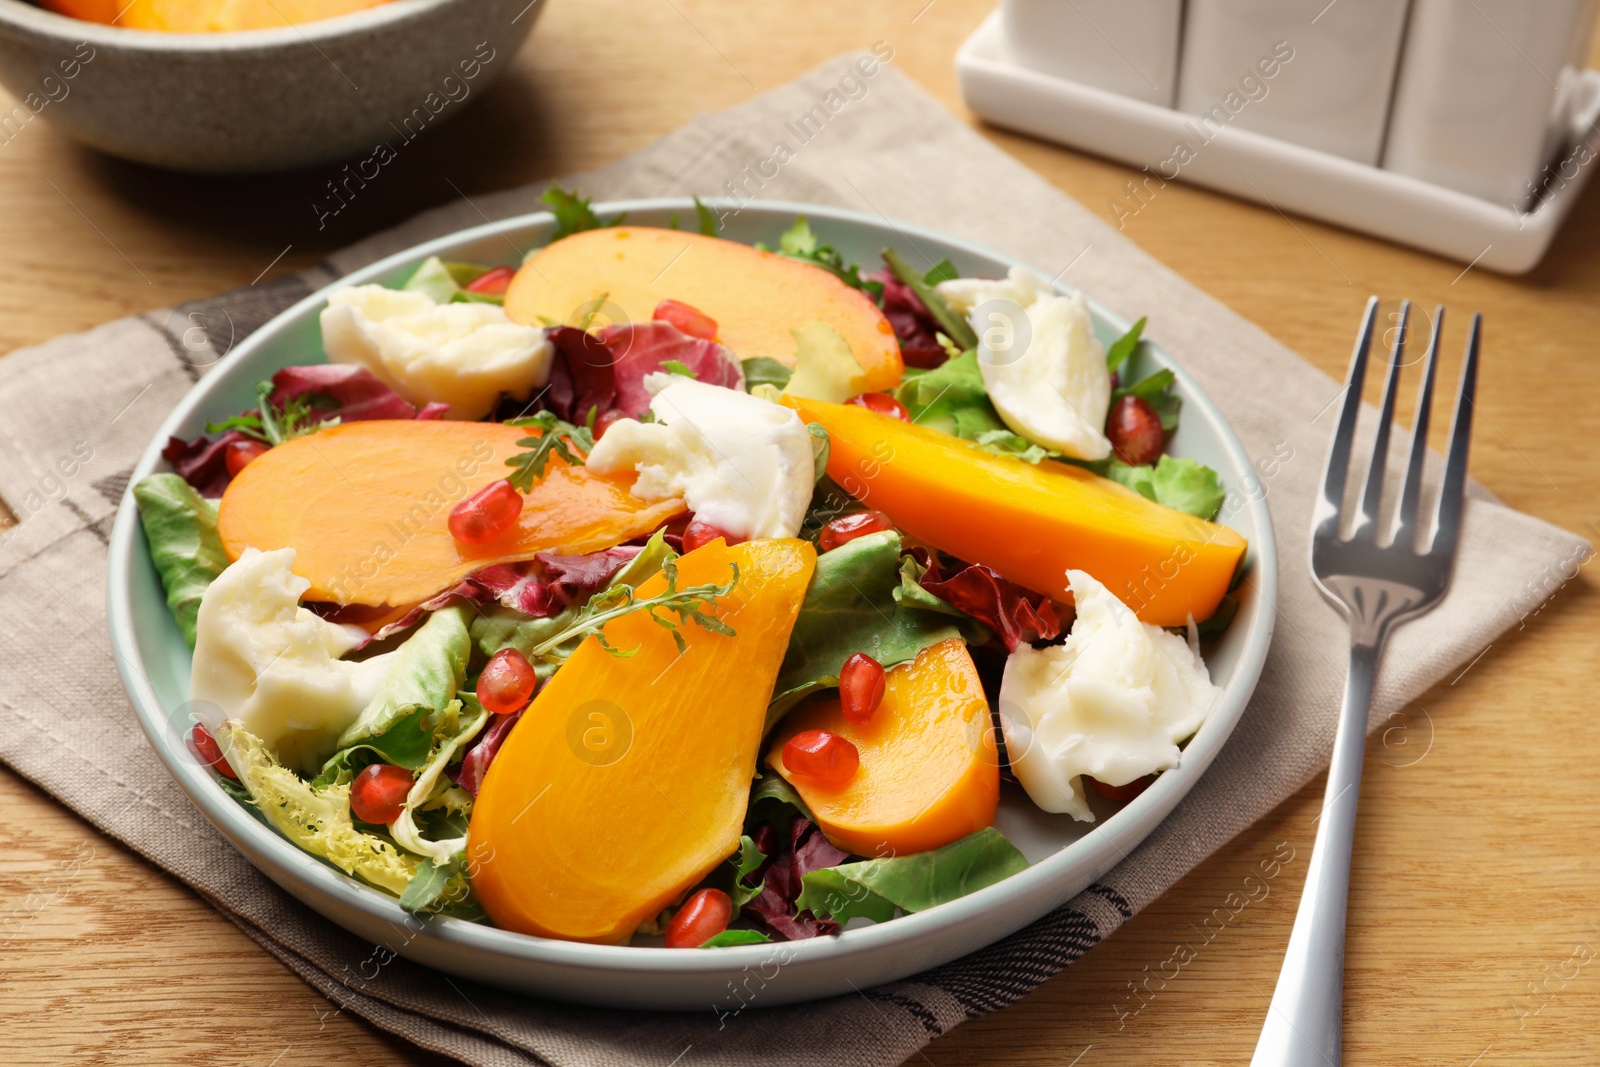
21 15
1109 841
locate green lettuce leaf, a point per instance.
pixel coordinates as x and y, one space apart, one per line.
950 398
764 370
750 857
446 281
181 527
876 889
504 627
427 671
1185 485
316 819
821 444
850 606
1006 443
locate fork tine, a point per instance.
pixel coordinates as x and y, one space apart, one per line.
1333 478
1411 492
1372 494
1455 462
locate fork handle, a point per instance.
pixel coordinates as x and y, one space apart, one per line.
1303 1025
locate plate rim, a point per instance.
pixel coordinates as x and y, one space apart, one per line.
1110 839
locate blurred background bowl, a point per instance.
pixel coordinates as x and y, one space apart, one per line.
356 86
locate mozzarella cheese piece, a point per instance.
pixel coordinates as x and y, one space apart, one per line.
465 355
741 463
272 666
1041 363
1112 703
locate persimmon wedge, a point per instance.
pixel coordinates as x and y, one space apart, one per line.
206 16
757 298
366 506
626 780
1032 523
929 772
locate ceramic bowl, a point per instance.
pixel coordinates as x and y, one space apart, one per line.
358 86
1066 856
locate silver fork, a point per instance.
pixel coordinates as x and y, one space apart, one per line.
1379 583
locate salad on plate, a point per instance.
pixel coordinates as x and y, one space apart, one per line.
664 589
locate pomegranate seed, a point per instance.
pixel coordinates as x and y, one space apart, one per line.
699 533
205 746
691 321
1135 431
487 514
494 283
847 528
861 684
882 403
507 682
238 455
826 759
1122 793
702 917
608 420
379 793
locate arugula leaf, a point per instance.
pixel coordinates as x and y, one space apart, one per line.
800 242
954 326
573 213
1006 443
735 937
1124 346
708 221
274 426
764 370
850 607
941 271
442 889
673 366
875 889
950 398
185 547
557 438
504 627
1156 390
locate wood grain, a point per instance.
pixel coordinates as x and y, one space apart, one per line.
1475 880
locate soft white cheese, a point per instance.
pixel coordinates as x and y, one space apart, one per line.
1112 703
1041 363
465 355
741 463
272 666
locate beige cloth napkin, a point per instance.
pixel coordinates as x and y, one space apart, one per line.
76 412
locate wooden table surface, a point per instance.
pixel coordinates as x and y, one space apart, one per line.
1473 919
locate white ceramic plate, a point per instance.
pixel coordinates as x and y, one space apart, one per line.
1066 855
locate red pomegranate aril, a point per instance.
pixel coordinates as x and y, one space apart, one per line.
507 682
847 528
492 283
861 684
1135 432
698 534
487 514
691 321
882 403
238 455
608 420
379 793
205 746
702 917
1122 793
826 759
